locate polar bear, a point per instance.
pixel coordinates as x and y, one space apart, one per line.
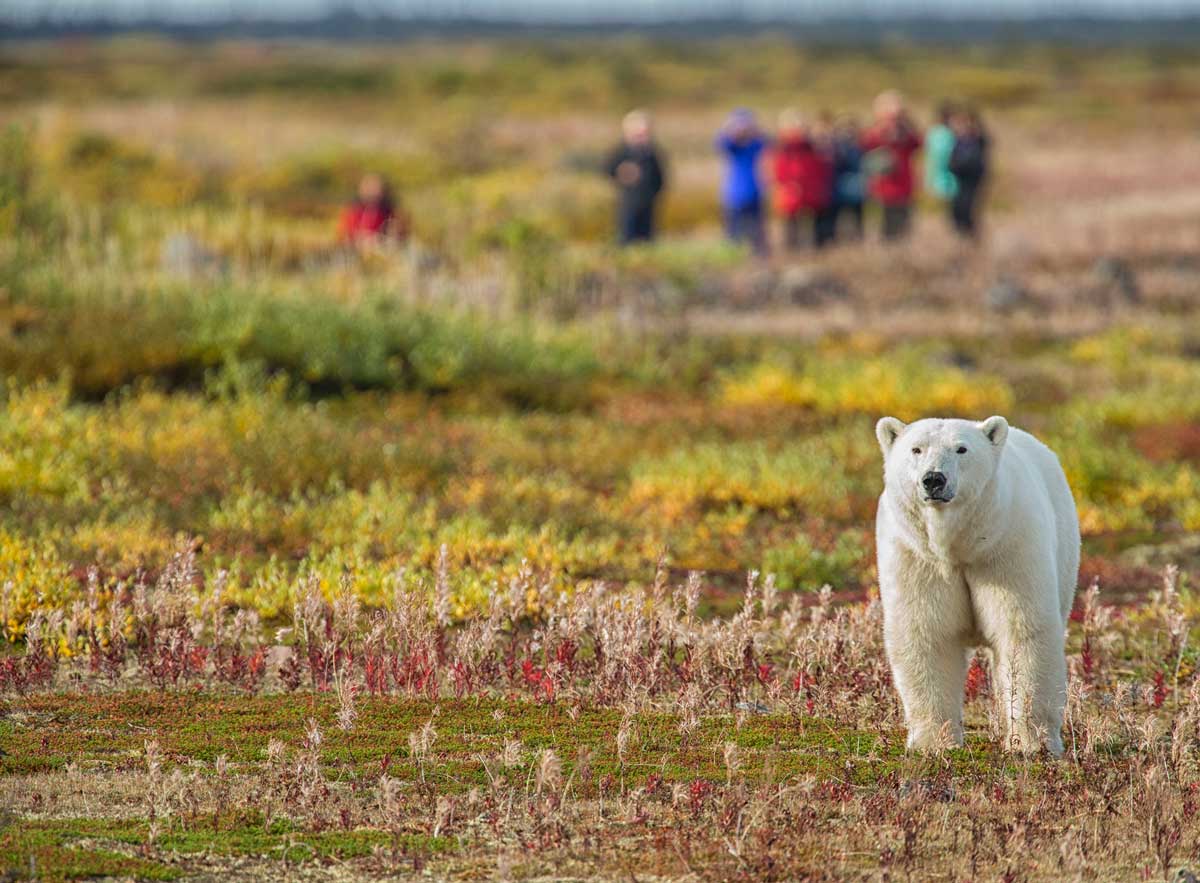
977 539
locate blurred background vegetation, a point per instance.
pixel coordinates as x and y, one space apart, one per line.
189 358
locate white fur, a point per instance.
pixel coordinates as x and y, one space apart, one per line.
996 566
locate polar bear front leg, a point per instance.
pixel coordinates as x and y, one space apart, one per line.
929 671
1031 688
926 615
1019 616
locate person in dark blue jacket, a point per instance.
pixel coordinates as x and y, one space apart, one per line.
968 163
849 183
742 143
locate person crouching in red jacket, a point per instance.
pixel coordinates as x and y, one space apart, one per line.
889 146
804 182
372 217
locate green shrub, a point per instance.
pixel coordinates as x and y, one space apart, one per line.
799 564
825 472
105 336
298 78
317 182
24 208
96 168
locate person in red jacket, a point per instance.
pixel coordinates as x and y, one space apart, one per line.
804 179
890 145
372 217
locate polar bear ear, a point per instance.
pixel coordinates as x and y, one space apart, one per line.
996 430
887 430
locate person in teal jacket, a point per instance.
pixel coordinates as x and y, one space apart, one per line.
939 144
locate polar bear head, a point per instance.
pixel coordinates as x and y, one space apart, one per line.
936 462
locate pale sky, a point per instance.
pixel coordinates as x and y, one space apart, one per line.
582 10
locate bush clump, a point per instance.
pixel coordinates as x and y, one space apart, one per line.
105 336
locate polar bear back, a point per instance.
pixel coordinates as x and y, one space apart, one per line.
1028 451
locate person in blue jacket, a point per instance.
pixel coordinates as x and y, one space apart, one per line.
741 142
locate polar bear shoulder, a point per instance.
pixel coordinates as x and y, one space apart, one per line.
1028 458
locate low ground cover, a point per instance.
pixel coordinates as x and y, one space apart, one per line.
584 735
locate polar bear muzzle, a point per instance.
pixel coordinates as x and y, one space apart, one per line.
934 485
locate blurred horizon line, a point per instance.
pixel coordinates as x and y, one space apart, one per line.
580 12
852 20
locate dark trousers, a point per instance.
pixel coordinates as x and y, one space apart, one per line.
963 207
635 224
792 232
745 224
896 221
855 211
824 226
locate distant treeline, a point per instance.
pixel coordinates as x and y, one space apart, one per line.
349 25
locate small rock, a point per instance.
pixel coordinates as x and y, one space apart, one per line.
753 707
589 291
803 286
710 291
1116 280
424 260
928 789
1005 294
663 296
961 360
751 289
184 255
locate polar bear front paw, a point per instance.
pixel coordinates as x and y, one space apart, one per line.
1031 741
934 738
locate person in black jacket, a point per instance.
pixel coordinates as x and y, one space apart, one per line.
969 165
636 168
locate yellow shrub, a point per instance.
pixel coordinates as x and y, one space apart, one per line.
126 543
31 575
907 387
770 385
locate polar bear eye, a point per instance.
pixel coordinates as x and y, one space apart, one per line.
916 450
962 450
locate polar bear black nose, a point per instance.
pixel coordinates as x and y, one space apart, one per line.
933 482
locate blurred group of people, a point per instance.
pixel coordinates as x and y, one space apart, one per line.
823 171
